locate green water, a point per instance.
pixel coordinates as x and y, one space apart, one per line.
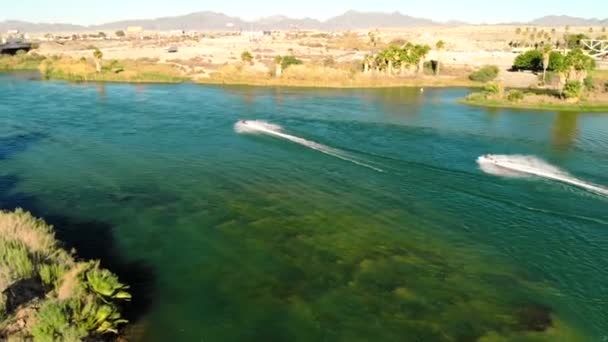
241 237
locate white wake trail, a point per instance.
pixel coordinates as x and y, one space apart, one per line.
276 131
525 166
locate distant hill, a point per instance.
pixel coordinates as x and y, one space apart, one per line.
25 26
194 21
209 21
563 20
363 20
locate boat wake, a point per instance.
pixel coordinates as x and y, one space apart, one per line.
262 127
526 166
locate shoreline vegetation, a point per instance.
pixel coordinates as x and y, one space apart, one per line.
49 295
568 82
399 64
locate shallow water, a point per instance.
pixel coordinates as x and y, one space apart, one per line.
232 236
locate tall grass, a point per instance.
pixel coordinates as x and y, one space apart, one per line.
340 75
20 62
132 71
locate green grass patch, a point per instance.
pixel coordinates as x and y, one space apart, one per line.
480 101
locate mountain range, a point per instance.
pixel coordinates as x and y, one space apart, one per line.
208 21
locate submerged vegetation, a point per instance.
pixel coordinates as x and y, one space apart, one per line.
355 279
47 295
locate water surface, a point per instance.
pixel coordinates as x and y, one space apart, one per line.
254 237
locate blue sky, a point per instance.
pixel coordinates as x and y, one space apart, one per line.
475 11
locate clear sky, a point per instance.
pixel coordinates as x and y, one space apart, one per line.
474 11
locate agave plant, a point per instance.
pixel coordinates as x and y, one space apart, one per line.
93 315
106 284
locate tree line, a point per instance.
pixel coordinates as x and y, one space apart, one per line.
400 60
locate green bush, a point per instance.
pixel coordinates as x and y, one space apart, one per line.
491 88
247 57
529 60
515 95
485 74
533 61
573 89
588 82
286 61
54 324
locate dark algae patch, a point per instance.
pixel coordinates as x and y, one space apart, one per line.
352 279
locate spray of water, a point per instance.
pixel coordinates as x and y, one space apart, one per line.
262 127
526 166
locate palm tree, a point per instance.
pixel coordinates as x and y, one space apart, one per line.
440 45
421 51
98 56
367 63
381 60
546 59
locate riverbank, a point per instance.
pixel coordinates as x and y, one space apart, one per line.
47 294
543 106
589 97
146 70
314 76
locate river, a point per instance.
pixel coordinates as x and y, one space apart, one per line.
374 222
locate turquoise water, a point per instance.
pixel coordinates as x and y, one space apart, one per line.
231 236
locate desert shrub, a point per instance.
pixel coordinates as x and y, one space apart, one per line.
287 61
606 87
329 62
347 41
398 42
485 74
492 88
588 83
112 65
573 89
515 95
247 57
